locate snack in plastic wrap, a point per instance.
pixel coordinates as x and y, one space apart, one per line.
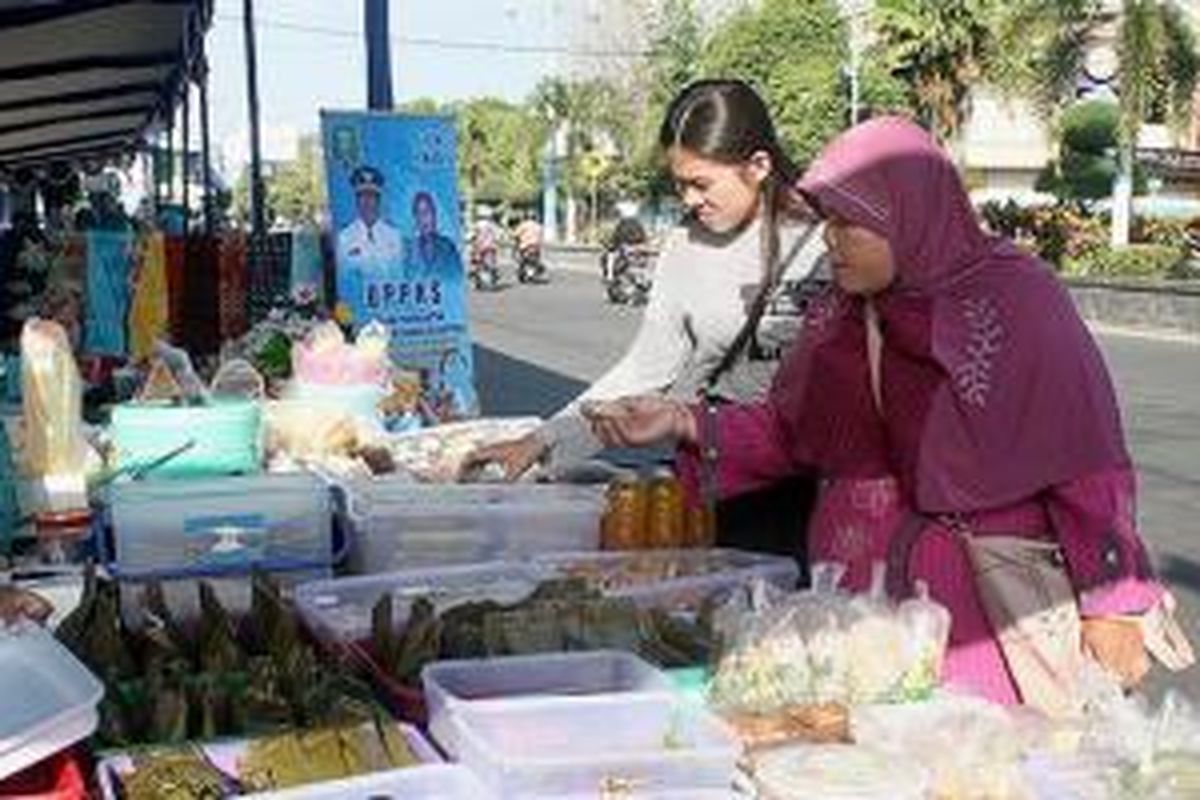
837 772
437 455
325 358
52 398
237 378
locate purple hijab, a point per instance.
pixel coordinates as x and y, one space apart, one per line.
993 389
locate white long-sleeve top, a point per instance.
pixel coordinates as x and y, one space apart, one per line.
703 287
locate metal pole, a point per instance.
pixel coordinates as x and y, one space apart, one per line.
183 169
854 90
379 61
258 219
170 176
205 152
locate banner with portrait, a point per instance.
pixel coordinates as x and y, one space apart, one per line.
393 205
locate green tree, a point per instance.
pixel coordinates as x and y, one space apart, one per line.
296 192
498 146
1157 71
794 52
1086 167
939 48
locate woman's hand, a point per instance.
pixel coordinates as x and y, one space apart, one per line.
1117 645
641 421
17 604
515 457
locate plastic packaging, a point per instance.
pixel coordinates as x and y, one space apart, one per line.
237 378
838 772
436 455
451 684
339 611
674 579
595 746
402 525
52 398
825 646
51 699
324 358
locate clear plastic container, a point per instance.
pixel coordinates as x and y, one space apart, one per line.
595 746
674 579
221 522
172 529
402 525
434 782
49 702
339 611
451 684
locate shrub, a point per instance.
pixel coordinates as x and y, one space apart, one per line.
1134 261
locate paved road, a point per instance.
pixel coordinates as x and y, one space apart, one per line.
539 345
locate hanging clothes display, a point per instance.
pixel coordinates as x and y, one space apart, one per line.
109 258
201 281
149 317
270 269
173 247
231 285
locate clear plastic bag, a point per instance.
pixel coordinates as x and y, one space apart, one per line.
52 398
825 646
237 378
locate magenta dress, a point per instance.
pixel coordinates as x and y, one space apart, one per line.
855 518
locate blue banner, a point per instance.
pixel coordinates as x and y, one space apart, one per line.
393 203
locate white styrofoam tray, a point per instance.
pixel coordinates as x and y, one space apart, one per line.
430 782
47 698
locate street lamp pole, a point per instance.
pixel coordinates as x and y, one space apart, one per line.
855 13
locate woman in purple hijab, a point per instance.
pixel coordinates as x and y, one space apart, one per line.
945 383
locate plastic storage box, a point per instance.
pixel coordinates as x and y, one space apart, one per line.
339 611
451 684
226 438
405 525
594 746
49 702
673 579
433 782
173 530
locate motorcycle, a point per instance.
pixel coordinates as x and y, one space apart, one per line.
627 275
530 267
485 267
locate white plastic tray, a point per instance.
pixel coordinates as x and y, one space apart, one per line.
47 698
226 753
585 746
450 685
433 782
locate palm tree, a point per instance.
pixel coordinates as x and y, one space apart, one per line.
1157 65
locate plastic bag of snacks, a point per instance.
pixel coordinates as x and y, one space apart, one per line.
791 664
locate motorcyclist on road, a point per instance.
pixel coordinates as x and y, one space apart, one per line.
628 235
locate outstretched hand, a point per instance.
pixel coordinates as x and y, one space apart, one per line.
640 421
515 457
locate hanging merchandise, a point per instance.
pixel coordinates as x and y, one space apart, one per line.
174 248
54 450
231 285
109 256
148 318
200 280
269 268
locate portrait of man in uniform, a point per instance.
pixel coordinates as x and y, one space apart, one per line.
369 244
